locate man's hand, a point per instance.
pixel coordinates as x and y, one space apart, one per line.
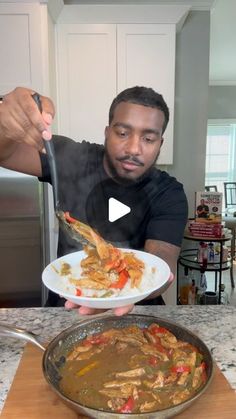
21 120
119 311
84 311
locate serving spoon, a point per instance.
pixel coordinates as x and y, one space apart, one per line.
50 151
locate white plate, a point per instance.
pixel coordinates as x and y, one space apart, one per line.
155 276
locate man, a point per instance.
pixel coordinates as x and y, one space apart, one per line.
202 209
124 168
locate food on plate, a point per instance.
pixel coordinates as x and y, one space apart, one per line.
132 370
106 270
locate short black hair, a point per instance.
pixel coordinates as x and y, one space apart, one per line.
141 95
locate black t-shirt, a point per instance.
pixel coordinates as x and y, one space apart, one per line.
157 201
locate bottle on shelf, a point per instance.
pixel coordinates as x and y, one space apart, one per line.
211 252
192 293
192 289
184 287
202 286
203 255
224 295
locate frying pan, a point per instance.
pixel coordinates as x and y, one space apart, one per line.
54 357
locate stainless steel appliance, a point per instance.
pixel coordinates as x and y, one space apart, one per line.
22 237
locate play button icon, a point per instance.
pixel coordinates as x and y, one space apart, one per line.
116 210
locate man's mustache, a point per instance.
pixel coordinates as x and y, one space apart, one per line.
131 159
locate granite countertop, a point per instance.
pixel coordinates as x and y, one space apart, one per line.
215 325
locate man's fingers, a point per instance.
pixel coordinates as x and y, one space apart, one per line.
85 311
69 305
120 311
47 106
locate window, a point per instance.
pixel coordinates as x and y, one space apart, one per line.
220 153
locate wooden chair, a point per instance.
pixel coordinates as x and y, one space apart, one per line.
211 188
230 196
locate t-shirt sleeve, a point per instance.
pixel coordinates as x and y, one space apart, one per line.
169 216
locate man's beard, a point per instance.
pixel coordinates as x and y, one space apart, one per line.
122 179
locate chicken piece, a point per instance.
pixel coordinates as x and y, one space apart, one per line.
137 372
89 260
179 396
150 338
65 269
183 378
87 355
124 391
132 335
135 332
147 406
91 284
171 378
121 346
151 350
116 383
135 393
133 262
76 351
115 404
162 332
135 277
157 383
185 359
156 397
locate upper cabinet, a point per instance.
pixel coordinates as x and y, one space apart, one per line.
97 61
20 46
83 56
86 79
146 57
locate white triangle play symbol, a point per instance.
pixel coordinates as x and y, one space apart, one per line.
116 209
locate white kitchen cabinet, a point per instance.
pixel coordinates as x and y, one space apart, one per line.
146 57
20 46
97 61
86 79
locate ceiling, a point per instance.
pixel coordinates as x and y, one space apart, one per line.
222 38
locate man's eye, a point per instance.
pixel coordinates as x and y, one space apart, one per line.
122 134
149 140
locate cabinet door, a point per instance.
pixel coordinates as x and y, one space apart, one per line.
146 57
87 79
20 46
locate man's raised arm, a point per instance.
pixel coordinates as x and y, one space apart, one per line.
22 130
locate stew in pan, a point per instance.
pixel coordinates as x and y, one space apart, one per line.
132 370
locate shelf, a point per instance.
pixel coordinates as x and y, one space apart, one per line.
188 258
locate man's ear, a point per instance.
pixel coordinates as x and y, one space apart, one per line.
106 131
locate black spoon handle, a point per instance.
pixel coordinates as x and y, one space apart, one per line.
49 146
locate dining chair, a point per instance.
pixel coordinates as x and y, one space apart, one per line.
211 188
230 195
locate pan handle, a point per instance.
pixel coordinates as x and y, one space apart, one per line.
15 332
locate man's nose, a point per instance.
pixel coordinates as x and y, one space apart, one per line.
133 145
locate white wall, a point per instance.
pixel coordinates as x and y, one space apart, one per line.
191 103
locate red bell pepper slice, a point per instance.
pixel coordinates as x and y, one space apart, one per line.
97 339
160 348
69 218
123 278
153 361
128 407
78 292
158 329
181 368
